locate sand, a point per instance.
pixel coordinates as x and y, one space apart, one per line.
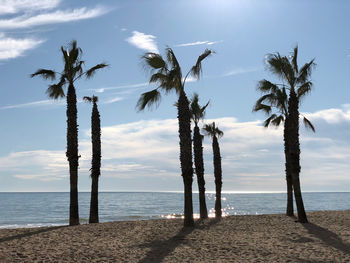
261 238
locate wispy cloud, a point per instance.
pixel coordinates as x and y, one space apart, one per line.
112 100
143 41
238 71
12 47
59 16
138 85
15 6
33 104
197 43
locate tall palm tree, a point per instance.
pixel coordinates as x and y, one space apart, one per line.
96 157
214 132
198 113
168 75
276 97
73 70
297 81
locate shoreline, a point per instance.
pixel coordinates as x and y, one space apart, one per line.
244 238
140 218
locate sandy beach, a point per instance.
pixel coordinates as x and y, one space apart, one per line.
261 238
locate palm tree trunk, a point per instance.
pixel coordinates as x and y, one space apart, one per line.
96 162
72 154
294 153
198 161
184 117
218 176
290 208
94 201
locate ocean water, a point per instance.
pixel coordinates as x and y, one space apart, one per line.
52 209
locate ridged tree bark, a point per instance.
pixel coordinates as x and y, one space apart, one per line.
72 153
294 153
218 176
95 163
184 118
290 205
199 164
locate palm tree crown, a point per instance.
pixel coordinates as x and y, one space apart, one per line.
197 111
212 131
168 75
73 70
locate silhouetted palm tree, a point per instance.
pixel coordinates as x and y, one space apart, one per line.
198 113
96 157
299 84
73 70
214 132
277 98
168 75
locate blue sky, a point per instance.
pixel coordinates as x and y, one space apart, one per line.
140 149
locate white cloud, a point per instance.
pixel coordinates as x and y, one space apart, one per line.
129 86
33 104
12 47
15 6
238 71
112 100
197 43
143 41
331 116
59 16
252 156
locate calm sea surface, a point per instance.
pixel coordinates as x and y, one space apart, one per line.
50 209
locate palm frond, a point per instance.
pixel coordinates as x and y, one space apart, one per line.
266 86
305 72
172 58
308 124
196 70
87 99
197 111
148 99
262 107
154 60
304 89
295 59
277 121
212 130
89 73
55 91
45 74
267 122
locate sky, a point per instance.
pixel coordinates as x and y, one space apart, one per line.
140 149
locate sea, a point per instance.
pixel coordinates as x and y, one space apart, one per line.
52 209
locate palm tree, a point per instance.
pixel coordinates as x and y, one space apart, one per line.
96 157
214 132
168 75
276 97
298 82
198 113
73 70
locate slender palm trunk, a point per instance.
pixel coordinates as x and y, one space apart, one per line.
218 176
294 150
290 209
72 153
198 161
96 162
184 117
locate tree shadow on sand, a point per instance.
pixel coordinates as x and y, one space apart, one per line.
29 233
327 237
161 248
